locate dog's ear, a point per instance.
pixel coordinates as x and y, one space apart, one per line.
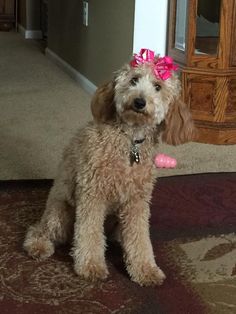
102 104
178 127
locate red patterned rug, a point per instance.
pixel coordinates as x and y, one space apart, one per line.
193 233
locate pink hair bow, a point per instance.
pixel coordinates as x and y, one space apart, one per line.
162 67
145 55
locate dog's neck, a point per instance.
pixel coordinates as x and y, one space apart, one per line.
136 134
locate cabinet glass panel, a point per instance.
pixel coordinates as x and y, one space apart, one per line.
207 27
180 27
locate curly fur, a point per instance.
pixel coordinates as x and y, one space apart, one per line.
96 177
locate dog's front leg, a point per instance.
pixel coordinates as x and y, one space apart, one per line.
138 252
89 241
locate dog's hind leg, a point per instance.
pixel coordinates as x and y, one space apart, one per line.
55 227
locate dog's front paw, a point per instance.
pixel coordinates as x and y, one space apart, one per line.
39 248
92 271
148 275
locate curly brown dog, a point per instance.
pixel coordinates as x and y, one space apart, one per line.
108 169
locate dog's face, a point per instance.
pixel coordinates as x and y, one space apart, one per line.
141 98
137 97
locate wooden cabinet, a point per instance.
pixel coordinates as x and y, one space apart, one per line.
202 40
7 14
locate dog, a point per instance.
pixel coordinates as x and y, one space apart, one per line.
108 169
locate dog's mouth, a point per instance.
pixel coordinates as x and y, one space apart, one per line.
138 111
132 111
137 117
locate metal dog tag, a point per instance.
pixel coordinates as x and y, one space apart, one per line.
134 154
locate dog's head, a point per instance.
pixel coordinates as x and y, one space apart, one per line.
138 97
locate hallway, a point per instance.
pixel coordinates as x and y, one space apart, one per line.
40 107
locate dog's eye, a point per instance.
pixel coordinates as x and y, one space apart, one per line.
134 80
157 87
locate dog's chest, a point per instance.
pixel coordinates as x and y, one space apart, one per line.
120 176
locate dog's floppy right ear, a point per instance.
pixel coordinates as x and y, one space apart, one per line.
103 105
179 127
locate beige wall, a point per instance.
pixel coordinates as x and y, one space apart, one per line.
99 49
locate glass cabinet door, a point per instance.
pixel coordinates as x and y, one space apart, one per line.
207 27
181 23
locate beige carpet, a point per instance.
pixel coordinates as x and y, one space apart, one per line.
41 107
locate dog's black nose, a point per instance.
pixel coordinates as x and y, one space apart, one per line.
139 103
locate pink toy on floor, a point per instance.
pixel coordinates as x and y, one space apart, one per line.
164 161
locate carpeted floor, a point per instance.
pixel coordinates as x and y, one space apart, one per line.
41 107
193 235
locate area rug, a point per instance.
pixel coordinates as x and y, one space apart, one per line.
193 234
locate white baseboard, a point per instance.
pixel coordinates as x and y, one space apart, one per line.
72 72
21 30
30 34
